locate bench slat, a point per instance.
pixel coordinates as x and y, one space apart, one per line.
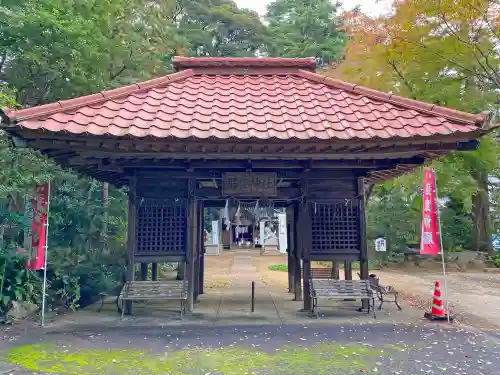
144 290
322 273
340 289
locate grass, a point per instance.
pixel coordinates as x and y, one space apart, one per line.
332 359
278 267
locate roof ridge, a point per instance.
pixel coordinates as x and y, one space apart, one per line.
181 62
74 103
482 120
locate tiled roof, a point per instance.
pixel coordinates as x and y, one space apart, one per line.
244 98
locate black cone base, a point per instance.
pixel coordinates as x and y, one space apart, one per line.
435 318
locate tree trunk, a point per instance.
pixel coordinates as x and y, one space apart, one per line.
104 206
481 215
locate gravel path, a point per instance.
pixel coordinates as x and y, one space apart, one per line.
474 298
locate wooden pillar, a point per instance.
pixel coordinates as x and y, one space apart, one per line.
306 243
297 274
202 272
347 270
363 260
181 271
131 239
289 241
335 270
197 250
144 271
154 271
290 266
192 216
201 249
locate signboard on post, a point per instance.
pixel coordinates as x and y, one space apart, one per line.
250 184
380 244
429 241
215 232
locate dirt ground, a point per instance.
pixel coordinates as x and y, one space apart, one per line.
474 297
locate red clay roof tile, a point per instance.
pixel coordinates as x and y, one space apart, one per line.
301 105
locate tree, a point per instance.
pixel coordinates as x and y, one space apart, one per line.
305 28
55 49
218 28
442 52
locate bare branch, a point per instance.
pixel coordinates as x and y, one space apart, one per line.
453 62
486 66
112 77
393 65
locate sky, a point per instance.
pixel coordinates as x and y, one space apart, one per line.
371 7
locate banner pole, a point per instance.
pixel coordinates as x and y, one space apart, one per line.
438 212
45 254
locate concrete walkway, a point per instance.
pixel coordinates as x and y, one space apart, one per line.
236 299
227 301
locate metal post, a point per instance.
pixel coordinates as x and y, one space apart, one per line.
45 255
441 244
253 296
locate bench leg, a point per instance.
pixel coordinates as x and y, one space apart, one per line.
314 304
122 307
373 304
396 296
102 304
381 298
182 308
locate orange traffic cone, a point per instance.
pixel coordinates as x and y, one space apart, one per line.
438 311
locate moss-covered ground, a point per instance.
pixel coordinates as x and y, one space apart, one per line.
320 359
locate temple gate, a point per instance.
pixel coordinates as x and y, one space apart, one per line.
268 129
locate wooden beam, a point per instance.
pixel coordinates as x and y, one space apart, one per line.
212 193
219 144
382 154
221 165
341 174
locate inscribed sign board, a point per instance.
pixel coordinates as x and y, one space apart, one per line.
252 184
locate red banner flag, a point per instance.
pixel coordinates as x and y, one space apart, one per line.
429 241
36 259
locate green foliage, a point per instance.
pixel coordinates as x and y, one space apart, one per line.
278 267
16 283
219 28
446 53
306 28
54 49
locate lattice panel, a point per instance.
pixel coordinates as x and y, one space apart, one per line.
161 226
335 227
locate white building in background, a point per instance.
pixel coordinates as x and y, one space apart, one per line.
245 228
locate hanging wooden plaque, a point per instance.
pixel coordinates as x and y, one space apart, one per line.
250 184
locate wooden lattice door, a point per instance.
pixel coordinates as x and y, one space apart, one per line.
161 227
334 228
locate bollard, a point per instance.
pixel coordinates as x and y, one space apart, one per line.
253 296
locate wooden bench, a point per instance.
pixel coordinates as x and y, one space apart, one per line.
322 274
341 290
384 291
154 291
